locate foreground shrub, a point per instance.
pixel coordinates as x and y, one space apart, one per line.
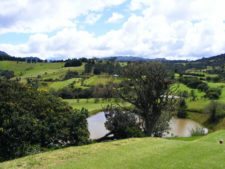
122 124
32 120
8 74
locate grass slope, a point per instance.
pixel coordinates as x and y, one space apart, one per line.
141 153
45 70
91 105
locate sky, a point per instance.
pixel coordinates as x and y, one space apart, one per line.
61 29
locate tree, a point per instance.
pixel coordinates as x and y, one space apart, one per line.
181 113
147 88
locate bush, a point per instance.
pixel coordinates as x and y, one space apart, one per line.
32 120
216 111
203 87
213 79
7 74
194 83
70 75
122 124
198 132
97 71
213 93
74 93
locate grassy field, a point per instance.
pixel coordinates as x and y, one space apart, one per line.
30 70
91 105
101 79
65 83
142 153
200 103
45 70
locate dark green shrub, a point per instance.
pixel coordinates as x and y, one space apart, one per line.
73 63
8 74
122 124
70 75
216 111
213 93
32 120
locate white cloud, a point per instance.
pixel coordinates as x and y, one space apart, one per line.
172 29
46 16
138 4
115 18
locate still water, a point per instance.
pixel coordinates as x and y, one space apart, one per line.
178 127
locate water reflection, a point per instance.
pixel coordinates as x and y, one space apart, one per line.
182 127
178 127
96 126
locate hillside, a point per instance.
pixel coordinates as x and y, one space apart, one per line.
145 153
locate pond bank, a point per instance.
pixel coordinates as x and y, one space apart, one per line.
178 127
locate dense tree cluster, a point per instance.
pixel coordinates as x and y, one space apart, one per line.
5 56
73 63
98 91
32 120
103 67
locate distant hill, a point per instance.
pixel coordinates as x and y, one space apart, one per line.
3 53
218 60
6 56
32 59
130 59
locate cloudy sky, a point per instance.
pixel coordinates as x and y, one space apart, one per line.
174 29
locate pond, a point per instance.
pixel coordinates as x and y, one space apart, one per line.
178 127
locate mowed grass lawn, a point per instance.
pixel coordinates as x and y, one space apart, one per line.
138 153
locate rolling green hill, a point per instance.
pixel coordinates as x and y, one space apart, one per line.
142 153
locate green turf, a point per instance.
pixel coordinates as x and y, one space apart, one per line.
29 70
91 105
101 79
143 153
61 84
45 70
